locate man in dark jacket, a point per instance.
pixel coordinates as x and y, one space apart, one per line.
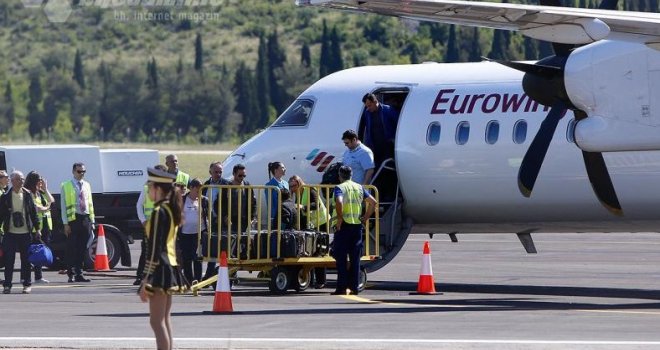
18 215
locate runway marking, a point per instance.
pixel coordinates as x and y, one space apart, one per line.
623 312
337 341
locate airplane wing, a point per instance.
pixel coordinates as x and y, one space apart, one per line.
555 24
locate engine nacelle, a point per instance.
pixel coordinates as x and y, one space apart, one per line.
618 85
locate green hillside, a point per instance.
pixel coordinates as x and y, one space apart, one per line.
200 74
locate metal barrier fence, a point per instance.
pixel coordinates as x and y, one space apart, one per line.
226 228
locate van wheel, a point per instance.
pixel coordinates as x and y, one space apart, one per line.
112 245
279 280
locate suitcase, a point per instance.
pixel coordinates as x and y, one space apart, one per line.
309 246
212 251
322 244
291 245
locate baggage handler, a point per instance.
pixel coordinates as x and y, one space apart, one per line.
349 197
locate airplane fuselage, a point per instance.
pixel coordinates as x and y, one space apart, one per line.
462 133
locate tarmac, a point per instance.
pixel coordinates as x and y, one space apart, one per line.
581 291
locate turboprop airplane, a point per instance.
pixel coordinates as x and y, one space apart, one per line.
471 137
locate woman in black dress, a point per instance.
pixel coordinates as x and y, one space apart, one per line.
162 272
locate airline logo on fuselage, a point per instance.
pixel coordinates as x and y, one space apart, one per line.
448 102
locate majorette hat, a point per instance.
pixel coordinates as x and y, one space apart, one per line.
161 176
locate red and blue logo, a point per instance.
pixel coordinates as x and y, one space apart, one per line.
320 159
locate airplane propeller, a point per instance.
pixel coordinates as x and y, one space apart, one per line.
544 83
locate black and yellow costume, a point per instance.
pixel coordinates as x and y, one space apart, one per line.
162 271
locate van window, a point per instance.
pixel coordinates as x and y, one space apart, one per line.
492 132
462 132
297 114
520 131
433 134
570 131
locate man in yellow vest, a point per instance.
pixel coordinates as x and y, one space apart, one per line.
349 197
144 208
78 218
172 163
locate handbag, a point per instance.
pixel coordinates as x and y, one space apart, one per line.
2 257
40 255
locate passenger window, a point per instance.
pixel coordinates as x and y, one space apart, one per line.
297 114
520 131
492 132
570 131
433 134
462 133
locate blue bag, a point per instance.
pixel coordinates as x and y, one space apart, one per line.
40 255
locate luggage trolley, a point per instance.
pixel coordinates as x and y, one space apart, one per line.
283 258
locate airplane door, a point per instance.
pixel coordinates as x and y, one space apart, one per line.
385 177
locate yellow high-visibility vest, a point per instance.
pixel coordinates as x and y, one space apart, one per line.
353 195
70 200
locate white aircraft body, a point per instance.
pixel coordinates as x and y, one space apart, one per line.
465 128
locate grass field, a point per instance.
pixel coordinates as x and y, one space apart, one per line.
195 164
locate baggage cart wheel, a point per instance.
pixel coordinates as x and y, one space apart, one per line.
362 283
302 278
279 280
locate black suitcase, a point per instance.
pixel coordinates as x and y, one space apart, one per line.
322 244
212 250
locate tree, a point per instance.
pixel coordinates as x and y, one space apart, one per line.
324 63
531 49
247 103
336 59
35 97
305 56
499 47
452 54
152 74
475 53
78 70
9 108
276 61
199 52
263 85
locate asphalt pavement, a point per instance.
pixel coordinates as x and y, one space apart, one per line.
581 291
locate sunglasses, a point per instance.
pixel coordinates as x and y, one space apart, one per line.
81 171
241 176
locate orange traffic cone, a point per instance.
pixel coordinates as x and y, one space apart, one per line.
101 260
426 284
222 300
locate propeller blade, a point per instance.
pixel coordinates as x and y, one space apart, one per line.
599 176
601 181
533 159
535 69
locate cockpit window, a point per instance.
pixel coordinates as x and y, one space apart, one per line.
297 114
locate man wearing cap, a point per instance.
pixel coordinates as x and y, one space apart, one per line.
348 236
172 162
77 210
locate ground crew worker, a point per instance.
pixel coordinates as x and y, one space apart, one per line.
172 163
144 208
78 219
348 236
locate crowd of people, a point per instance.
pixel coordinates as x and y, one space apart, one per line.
25 218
